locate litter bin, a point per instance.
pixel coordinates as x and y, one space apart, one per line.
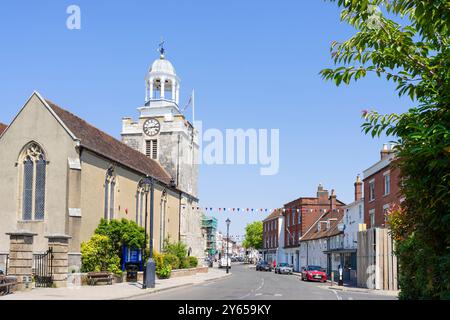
132 273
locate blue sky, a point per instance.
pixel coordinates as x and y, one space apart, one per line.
253 64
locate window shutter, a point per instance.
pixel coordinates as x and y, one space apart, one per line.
148 148
155 149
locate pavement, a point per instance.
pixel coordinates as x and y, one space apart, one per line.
351 288
118 291
246 283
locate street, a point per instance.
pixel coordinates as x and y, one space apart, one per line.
248 284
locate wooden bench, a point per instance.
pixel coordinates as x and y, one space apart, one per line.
6 285
94 277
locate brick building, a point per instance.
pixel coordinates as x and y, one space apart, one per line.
381 189
273 237
300 215
2 127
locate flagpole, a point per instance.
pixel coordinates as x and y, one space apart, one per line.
193 107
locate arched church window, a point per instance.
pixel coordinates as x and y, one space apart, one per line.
33 183
110 191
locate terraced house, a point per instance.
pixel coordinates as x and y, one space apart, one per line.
300 215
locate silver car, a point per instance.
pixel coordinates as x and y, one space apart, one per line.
284 268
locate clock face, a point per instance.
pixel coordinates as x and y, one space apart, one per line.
152 127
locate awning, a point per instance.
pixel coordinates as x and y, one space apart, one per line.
340 251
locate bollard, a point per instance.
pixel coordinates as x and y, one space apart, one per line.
332 277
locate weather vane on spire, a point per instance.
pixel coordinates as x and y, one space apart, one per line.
161 49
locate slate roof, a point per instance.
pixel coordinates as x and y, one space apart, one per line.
104 145
2 127
313 232
275 214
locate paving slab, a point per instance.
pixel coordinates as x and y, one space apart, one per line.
116 291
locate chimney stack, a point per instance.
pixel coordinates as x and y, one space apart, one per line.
333 200
322 194
358 188
385 151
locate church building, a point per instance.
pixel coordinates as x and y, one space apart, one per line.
61 175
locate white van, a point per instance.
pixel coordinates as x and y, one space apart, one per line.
223 262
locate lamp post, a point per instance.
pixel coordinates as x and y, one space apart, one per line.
228 242
150 270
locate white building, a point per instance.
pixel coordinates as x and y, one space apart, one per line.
324 235
164 134
343 247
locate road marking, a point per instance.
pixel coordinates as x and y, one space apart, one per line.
350 298
337 296
278 295
258 294
262 285
253 290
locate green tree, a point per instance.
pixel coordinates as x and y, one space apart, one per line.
414 53
253 235
122 233
97 255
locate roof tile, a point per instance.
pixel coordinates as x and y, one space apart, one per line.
103 144
2 127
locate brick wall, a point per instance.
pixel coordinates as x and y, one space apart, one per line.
381 199
270 231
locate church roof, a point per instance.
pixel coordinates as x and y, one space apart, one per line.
2 127
103 144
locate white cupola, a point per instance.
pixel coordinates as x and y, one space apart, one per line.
162 83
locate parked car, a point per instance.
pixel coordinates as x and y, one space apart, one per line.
223 262
263 266
313 273
284 268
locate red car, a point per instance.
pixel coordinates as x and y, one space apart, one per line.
313 273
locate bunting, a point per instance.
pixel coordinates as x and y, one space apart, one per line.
258 210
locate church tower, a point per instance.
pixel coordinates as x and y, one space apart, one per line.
164 134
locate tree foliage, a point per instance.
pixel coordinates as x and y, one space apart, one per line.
415 55
122 233
98 255
253 235
178 249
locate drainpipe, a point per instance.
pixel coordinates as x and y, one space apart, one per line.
178 162
179 220
307 253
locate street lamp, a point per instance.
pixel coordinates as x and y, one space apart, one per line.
228 241
150 270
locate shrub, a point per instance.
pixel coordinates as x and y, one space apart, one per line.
122 233
98 255
184 264
159 260
164 272
193 262
172 260
178 249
